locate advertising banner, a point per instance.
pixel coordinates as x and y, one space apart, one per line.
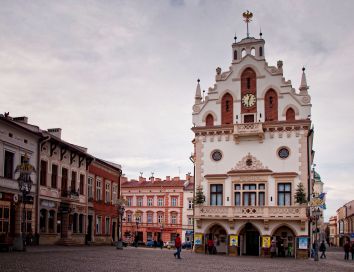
233 240
303 242
198 239
266 241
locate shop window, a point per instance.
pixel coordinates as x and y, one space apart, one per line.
51 221
42 220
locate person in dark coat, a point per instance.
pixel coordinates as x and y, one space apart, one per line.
352 250
323 250
346 248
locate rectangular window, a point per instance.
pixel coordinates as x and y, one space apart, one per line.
129 201
216 193
150 201
140 201
107 226
9 164
98 225
174 201
284 194
149 218
108 192
160 202
160 218
138 218
261 199
82 178
261 186
173 219
237 199
149 236
190 204
98 189
43 176
73 182
64 181
129 217
54 175
115 193
190 221
249 187
237 187
249 199
89 187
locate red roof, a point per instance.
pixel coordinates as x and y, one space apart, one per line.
162 183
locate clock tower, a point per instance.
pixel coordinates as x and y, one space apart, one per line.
252 148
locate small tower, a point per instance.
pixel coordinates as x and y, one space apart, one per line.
198 94
303 86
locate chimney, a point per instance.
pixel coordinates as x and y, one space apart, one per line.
157 179
22 119
55 132
141 179
168 178
176 179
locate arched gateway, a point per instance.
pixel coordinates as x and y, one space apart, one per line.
285 241
249 240
219 235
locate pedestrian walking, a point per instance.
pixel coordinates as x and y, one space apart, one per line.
346 250
352 251
210 246
178 246
323 250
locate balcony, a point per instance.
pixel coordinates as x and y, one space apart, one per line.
249 212
249 131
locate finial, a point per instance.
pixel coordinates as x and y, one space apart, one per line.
235 38
260 33
303 68
198 80
303 86
248 18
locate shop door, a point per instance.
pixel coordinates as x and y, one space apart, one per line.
89 229
114 231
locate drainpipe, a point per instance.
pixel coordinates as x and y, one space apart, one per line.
309 178
41 141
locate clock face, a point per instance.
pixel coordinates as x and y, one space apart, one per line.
248 100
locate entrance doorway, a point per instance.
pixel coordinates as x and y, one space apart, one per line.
89 228
218 234
114 231
285 240
249 240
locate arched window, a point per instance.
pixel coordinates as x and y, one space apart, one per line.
290 114
235 55
271 105
261 51
226 109
253 52
243 53
249 88
209 121
42 220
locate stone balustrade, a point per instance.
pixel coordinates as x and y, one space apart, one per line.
248 130
266 212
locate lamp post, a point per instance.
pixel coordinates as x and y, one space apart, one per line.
161 229
316 213
25 169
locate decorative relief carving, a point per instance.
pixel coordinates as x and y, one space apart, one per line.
306 99
250 179
196 108
249 162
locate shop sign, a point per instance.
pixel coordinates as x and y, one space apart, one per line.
233 240
198 239
303 243
266 241
352 237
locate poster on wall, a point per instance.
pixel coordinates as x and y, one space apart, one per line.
233 240
303 242
266 241
198 238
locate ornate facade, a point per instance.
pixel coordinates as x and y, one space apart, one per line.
253 146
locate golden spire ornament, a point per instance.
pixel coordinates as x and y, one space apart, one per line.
247 18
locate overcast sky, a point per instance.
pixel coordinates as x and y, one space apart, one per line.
119 77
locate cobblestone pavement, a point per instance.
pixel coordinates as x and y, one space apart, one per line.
104 258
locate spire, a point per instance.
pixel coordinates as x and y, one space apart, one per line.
198 94
303 86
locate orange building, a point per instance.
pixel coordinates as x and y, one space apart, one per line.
153 209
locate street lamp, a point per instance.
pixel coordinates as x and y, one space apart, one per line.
161 228
24 184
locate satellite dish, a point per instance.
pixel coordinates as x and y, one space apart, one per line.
15 198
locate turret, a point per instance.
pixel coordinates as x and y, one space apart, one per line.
198 94
303 86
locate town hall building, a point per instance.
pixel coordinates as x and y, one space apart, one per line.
252 147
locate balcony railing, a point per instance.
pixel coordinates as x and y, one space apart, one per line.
248 130
268 212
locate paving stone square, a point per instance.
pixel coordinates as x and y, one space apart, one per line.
106 258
